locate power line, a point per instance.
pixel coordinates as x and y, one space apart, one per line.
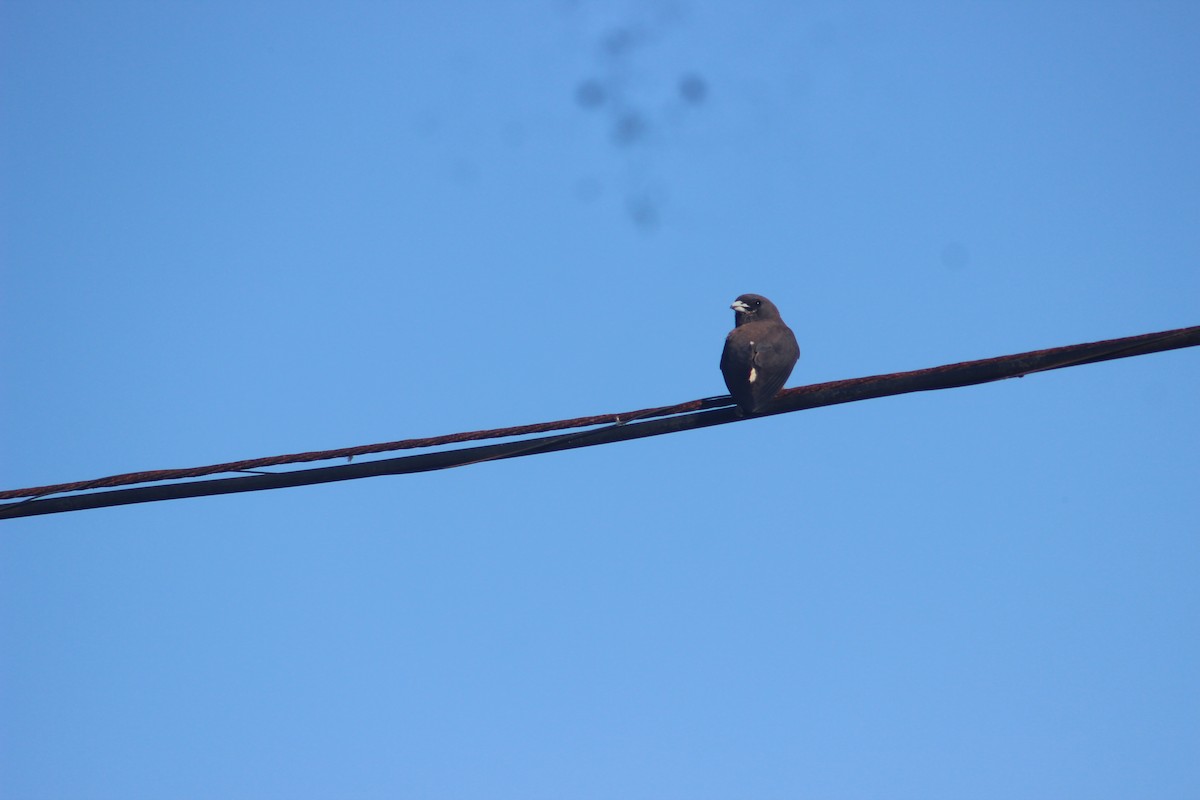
618 427
250 464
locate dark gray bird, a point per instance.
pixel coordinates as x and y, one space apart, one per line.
759 353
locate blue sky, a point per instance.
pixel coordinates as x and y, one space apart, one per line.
241 229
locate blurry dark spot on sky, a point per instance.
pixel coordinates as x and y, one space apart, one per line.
693 89
630 127
588 189
955 255
643 211
590 93
619 41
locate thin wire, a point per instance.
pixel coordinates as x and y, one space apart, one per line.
677 417
253 464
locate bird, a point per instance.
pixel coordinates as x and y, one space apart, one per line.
759 353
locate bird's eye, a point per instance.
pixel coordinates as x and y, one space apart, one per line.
757 303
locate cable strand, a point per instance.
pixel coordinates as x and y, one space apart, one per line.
613 427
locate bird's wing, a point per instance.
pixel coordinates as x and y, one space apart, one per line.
773 359
770 355
737 354
736 363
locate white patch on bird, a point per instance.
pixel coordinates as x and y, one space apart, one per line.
753 374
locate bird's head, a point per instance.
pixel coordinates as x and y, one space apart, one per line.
752 308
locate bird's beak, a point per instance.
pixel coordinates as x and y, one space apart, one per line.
739 306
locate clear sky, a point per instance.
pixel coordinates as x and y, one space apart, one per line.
239 229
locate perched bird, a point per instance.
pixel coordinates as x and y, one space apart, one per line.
759 353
